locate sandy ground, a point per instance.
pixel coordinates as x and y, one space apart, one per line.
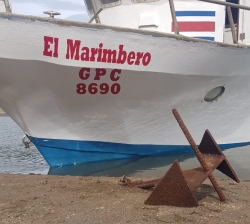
65 199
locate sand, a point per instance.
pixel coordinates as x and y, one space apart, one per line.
67 199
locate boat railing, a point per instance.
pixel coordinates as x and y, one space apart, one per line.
228 5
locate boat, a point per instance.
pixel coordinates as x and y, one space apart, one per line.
104 90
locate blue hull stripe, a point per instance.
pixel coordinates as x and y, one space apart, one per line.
206 38
195 13
68 152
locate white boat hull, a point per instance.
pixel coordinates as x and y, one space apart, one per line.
130 114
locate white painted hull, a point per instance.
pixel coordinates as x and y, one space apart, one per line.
39 92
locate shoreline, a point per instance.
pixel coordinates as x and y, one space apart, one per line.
35 198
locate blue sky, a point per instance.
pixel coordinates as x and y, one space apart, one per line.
69 9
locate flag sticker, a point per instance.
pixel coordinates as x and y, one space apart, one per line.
198 24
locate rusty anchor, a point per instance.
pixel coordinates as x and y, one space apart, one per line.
177 187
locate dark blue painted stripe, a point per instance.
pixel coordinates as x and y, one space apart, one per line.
58 152
195 13
206 38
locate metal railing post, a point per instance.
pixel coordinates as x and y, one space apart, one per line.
96 16
7 6
231 21
172 9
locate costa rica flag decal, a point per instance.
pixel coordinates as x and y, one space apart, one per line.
198 24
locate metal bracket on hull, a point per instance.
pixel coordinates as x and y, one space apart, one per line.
52 14
26 140
177 187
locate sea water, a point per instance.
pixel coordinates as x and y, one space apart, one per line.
15 158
